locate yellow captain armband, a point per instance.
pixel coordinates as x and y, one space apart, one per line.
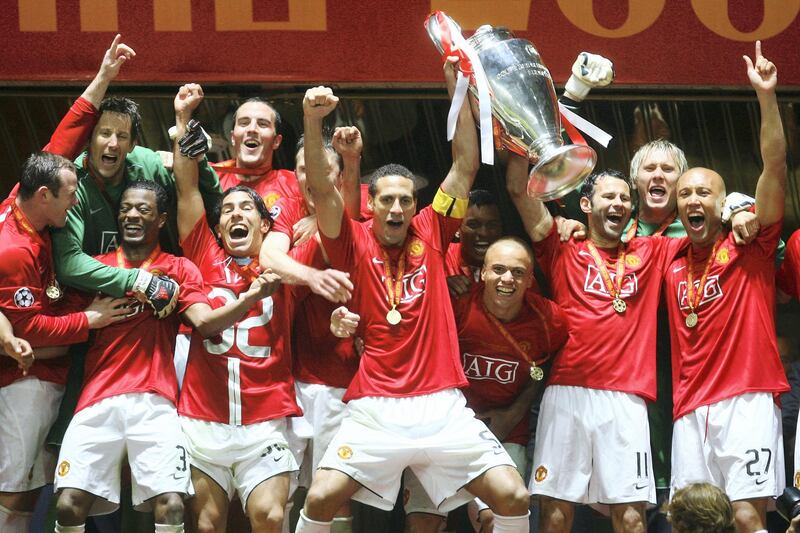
448 206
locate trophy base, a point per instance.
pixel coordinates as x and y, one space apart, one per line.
561 171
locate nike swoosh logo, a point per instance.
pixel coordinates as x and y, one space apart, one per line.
761 482
177 477
93 211
678 269
377 261
638 487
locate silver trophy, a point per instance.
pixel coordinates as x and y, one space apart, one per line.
524 109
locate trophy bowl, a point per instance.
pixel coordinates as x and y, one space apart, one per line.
524 107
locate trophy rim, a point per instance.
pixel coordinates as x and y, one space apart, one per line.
589 155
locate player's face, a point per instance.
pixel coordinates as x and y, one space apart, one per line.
139 220
111 142
254 137
701 193
657 180
241 227
507 273
609 209
300 171
393 207
479 229
66 199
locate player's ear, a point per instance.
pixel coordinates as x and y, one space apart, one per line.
162 219
586 204
483 272
276 142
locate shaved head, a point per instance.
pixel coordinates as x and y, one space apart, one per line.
701 195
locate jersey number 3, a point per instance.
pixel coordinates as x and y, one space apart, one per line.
240 333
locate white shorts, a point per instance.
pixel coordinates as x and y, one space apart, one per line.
592 446
142 426
28 407
735 444
416 500
436 435
181 357
239 458
323 412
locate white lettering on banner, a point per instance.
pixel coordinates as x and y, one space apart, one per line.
482 367
594 283
712 291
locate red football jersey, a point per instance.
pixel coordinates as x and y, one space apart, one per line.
496 370
732 350
243 375
25 272
135 354
607 350
455 265
291 210
420 354
787 276
272 186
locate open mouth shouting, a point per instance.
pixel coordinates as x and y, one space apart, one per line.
238 233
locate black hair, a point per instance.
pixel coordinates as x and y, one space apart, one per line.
588 187
42 169
124 106
327 143
480 198
261 207
162 197
260 100
392 169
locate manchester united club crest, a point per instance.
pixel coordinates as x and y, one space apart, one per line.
271 198
23 297
345 452
540 474
632 260
416 248
723 257
63 468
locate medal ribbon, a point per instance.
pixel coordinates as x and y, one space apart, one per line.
394 286
691 298
122 262
25 224
229 167
249 272
510 338
635 226
601 266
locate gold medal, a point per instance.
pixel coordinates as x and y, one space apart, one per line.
691 320
393 317
537 374
694 297
53 291
619 305
613 286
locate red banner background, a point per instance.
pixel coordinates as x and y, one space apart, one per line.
383 43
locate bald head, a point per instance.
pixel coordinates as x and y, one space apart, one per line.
701 194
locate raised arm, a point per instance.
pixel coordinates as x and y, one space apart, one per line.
466 156
348 143
771 187
535 216
75 128
116 56
190 201
318 103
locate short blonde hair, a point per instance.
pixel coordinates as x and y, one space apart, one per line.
701 508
